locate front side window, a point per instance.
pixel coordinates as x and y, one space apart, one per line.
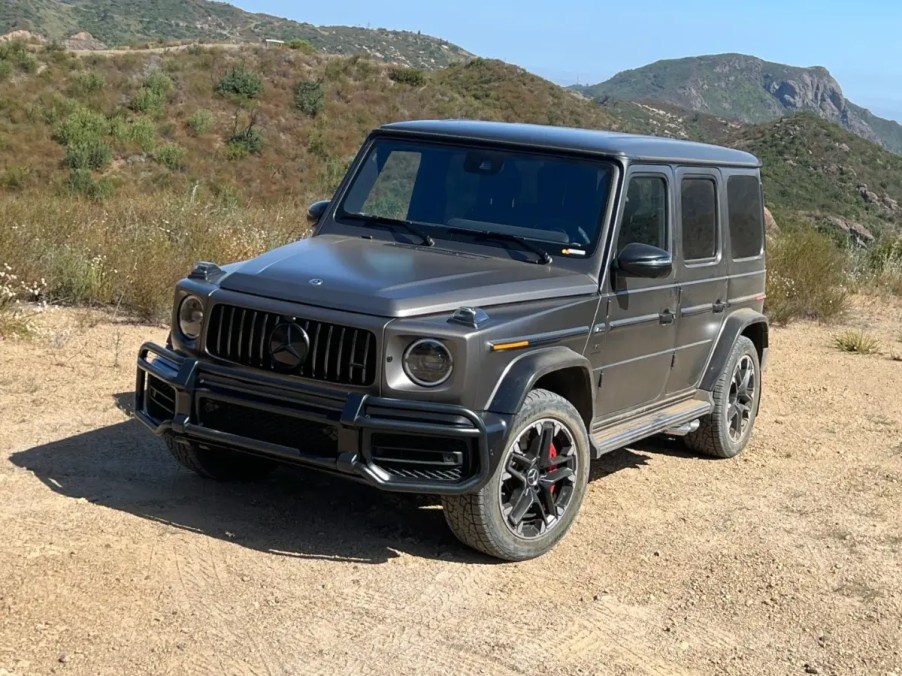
746 216
444 187
645 213
698 199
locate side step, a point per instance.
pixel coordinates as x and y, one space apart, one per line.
676 419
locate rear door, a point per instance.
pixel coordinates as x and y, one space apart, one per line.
639 315
700 267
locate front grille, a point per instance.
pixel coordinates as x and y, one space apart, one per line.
274 428
338 354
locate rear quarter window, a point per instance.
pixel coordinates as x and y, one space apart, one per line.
746 216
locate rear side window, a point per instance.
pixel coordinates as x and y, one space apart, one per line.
746 216
645 213
699 211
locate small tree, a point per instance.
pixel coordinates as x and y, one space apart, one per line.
309 97
241 83
409 76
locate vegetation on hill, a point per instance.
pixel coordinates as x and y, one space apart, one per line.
118 171
817 169
139 21
740 87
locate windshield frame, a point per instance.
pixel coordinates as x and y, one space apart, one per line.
440 232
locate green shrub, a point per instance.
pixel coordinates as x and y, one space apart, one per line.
158 82
140 132
16 56
147 101
15 177
151 97
309 97
81 125
172 156
82 182
805 277
88 154
201 122
302 46
856 341
409 76
87 82
241 83
245 142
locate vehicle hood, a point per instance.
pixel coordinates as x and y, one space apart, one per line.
394 280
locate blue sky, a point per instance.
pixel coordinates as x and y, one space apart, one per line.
860 42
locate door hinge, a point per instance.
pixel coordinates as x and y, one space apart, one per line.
600 378
673 360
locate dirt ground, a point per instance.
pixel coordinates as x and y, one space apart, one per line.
116 561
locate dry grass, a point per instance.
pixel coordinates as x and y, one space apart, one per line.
129 253
806 277
856 341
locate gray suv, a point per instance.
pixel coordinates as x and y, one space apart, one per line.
481 310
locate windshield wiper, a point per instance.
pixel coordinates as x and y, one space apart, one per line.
544 256
375 219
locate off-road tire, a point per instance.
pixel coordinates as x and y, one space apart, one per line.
219 464
477 519
713 434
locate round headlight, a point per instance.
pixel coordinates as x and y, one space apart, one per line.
427 362
191 317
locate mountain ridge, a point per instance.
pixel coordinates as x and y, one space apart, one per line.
746 88
121 22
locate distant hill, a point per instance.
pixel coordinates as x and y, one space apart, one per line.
747 88
122 22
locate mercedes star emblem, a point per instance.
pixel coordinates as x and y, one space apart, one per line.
288 347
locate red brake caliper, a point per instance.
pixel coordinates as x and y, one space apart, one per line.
552 453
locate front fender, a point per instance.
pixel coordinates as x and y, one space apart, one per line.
525 371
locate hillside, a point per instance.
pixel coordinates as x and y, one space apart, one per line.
121 22
834 178
157 121
746 88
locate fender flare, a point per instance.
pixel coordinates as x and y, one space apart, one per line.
524 372
733 327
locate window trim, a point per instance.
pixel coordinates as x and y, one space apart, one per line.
763 248
718 221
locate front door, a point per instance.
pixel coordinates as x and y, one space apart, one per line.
637 316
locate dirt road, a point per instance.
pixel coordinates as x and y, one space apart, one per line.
115 561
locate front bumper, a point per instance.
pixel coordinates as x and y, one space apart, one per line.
393 444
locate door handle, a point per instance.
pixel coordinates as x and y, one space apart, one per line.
666 317
719 306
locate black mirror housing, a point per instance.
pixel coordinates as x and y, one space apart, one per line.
316 210
644 260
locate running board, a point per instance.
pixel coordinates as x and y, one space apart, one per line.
672 417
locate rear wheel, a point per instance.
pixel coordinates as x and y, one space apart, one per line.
531 500
726 431
220 464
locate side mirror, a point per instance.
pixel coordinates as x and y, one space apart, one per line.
316 210
643 260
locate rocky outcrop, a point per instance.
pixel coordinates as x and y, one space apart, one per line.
771 229
855 231
83 42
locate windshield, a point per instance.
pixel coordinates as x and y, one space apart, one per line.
450 188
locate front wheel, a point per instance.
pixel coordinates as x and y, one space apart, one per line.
725 432
532 498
